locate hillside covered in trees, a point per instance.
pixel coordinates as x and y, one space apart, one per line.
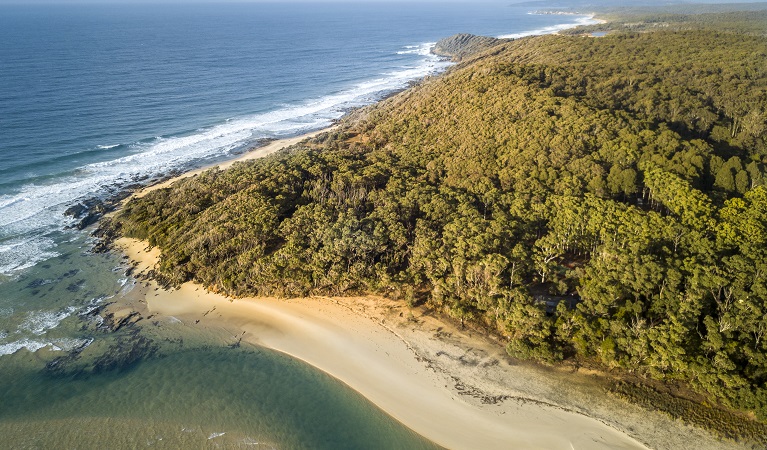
597 199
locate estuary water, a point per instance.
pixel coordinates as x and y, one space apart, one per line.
94 98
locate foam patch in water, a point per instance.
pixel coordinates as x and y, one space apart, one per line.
35 345
40 322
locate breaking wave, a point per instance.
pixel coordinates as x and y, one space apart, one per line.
31 217
582 20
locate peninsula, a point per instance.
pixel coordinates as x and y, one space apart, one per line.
593 204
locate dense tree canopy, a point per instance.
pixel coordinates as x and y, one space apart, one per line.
594 198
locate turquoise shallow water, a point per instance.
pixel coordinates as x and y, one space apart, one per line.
193 398
160 387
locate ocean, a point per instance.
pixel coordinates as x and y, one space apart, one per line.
96 98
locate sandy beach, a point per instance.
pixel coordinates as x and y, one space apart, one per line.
258 152
450 385
376 361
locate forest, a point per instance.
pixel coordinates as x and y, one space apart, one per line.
588 199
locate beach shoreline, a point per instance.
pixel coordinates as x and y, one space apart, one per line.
453 386
396 357
253 153
456 388
338 337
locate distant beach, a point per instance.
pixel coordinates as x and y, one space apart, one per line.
254 153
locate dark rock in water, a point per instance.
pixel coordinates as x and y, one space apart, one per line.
109 319
70 273
126 352
60 365
88 212
115 320
76 210
74 287
93 315
128 346
460 46
38 282
124 318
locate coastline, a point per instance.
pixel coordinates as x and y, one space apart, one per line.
254 153
456 388
365 343
371 344
279 144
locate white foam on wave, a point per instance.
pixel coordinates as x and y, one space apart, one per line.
39 322
423 49
29 216
23 252
107 147
12 347
584 20
93 304
66 344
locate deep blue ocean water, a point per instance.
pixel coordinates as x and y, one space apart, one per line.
96 97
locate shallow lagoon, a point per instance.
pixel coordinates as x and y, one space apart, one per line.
205 396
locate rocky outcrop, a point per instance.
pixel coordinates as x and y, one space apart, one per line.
460 46
120 346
